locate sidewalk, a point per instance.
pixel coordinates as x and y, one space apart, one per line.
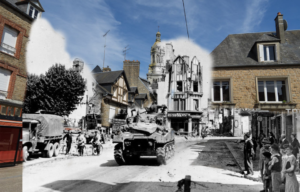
11 178
236 150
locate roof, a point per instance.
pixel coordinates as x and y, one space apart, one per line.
141 96
134 90
239 49
97 69
12 4
35 3
110 77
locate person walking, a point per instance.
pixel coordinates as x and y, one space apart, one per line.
291 183
96 142
248 154
295 145
80 143
68 138
275 167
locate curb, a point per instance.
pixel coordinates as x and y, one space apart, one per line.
235 155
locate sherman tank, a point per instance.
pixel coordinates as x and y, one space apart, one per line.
144 134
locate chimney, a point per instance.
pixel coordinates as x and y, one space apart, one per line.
186 59
106 69
280 27
132 71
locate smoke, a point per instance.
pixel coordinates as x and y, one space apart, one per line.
183 46
47 47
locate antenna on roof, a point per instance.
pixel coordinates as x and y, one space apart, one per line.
104 46
125 51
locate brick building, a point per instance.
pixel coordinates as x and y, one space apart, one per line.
258 71
16 18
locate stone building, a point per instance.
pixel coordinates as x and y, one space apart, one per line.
184 94
16 18
259 71
143 95
113 88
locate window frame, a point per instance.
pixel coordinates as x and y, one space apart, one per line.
21 33
221 92
260 51
274 78
180 107
33 12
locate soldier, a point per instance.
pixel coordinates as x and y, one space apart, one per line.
96 142
68 138
80 143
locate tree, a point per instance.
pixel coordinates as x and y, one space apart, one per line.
59 90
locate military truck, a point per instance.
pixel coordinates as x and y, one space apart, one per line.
93 124
42 133
144 135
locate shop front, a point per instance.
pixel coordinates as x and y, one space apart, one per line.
10 135
187 122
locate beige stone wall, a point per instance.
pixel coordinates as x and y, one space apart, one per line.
19 89
105 106
243 82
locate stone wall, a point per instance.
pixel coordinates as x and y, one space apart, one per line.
243 82
105 107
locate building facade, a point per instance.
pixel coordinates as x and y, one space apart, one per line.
15 23
184 95
259 71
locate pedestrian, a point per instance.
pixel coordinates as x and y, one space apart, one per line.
295 145
261 138
80 143
96 142
254 147
284 159
272 138
291 183
275 167
68 138
248 154
265 148
283 140
267 173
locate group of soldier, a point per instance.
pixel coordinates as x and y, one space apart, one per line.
81 141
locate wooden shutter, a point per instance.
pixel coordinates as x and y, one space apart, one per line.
261 52
4 79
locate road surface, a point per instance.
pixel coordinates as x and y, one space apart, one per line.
208 162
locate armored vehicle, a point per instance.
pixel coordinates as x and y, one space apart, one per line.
144 135
42 133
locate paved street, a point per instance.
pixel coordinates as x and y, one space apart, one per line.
209 163
11 179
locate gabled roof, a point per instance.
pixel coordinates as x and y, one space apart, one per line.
238 49
12 4
141 96
97 69
134 90
110 77
35 3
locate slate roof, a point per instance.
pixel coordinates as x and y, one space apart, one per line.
110 77
97 69
141 96
239 49
12 4
134 89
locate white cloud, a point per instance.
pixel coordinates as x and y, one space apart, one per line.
254 15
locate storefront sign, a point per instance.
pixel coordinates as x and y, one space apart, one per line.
182 115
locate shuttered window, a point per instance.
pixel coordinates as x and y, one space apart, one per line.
9 39
4 80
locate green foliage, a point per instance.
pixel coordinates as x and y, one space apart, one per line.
59 90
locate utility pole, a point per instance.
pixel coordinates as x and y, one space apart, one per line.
104 47
125 51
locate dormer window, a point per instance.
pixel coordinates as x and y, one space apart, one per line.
268 52
33 12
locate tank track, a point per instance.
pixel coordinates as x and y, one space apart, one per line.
165 153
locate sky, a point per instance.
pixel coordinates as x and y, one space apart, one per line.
82 25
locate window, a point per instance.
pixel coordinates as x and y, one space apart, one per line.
272 91
33 12
179 104
196 107
9 40
17 112
267 52
125 96
3 110
115 91
4 82
179 86
195 85
220 91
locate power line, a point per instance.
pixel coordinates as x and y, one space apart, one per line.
187 30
